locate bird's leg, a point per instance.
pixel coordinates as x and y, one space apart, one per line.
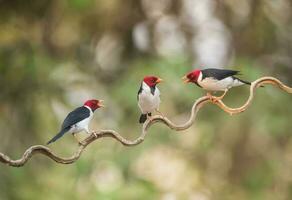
79 142
88 132
221 97
214 99
95 134
160 113
149 116
225 91
211 97
74 134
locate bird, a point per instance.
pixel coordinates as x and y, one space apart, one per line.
213 80
148 97
79 119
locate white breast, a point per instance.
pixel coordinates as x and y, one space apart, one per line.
148 102
82 125
211 84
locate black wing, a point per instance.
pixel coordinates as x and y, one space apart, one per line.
219 74
139 92
75 116
152 90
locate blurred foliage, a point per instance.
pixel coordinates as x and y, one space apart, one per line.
56 54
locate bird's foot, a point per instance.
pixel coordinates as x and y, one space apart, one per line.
95 134
81 143
160 113
215 99
150 118
212 98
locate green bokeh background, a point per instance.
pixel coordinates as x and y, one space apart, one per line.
51 60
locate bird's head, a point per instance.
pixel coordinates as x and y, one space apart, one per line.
192 76
151 81
94 104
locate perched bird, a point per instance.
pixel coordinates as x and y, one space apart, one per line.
78 120
214 80
148 97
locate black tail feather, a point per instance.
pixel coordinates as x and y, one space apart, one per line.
246 82
143 118
56 137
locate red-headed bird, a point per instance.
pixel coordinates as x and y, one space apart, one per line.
79 119
148 97
214 80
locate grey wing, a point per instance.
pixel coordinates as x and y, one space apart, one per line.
219 74
75 116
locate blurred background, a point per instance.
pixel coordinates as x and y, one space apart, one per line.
56 54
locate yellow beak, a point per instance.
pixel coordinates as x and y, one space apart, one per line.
100 103
185 79
159 80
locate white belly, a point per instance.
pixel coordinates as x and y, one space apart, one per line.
211 84
148 102
81 126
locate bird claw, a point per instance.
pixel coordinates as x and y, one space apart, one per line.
212 98
160 113
95 134
215 99
150 119
81 143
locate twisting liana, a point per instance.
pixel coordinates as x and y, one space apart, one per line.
155 119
